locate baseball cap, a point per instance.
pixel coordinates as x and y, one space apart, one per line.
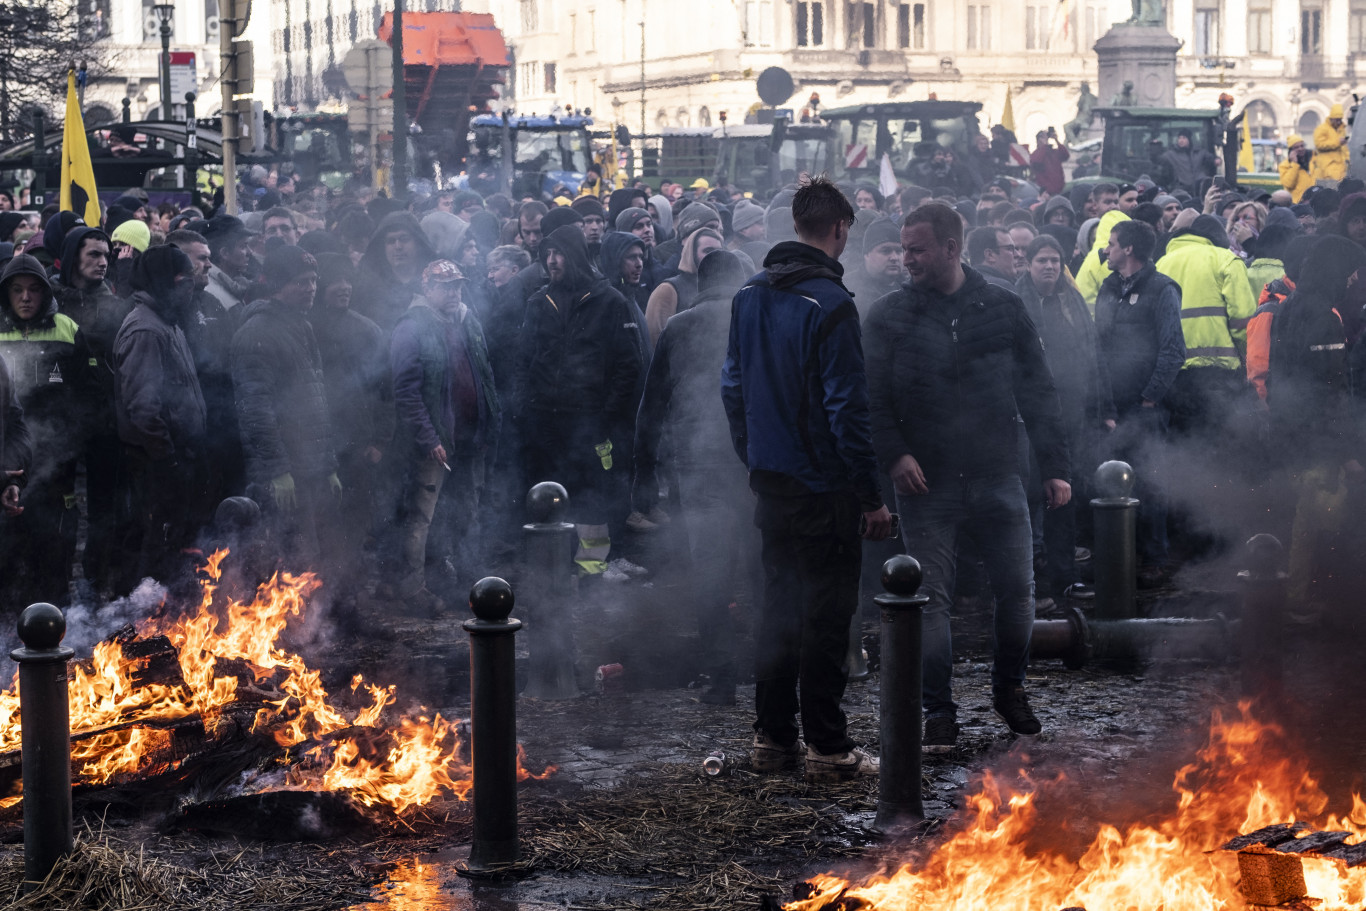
442 270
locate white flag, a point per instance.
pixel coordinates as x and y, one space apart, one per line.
886 179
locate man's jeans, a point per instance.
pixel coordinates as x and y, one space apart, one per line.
994 514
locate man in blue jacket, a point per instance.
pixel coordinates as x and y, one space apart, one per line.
796 399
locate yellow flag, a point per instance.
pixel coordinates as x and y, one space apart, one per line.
1245 163
1008 113
78 175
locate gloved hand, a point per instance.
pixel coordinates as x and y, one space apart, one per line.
334 485
282 489
604 451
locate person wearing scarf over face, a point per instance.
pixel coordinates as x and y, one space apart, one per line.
675 294
578 389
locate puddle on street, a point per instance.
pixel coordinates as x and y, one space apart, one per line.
430 883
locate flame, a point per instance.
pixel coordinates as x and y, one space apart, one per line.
230 650
1239 782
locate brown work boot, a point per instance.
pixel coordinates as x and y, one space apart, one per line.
768 755
829 767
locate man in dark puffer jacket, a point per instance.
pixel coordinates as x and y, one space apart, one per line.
277 376
953 364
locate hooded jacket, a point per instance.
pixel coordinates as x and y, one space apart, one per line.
682 287
615 245
1216 299
49 362
664 210
159 404
355 363
1309 386
277 376
445 234
1094 269
1330 152
379 294
1059 202
1070 348
793 384
951 377
583 353
97 309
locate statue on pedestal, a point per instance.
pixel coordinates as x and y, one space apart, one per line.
1086 101
1148 12
1125 97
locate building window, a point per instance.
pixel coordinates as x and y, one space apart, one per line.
1207 28
979 27
1356 29
531 20
550 78
1038 26
910 26
1259 27
810 23
573 33
862 25
1311 30
759 23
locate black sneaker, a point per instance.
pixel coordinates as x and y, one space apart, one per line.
1013 708
941 734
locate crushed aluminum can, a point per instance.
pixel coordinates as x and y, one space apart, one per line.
610 678
716 764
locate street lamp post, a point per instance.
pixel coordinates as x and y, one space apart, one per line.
165 13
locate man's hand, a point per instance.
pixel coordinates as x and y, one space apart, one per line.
877 524
438 454
1109 423
334 485
1056 493
907 476
1212 197
282 489
9 500
373 455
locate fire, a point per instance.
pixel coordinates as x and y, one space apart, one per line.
1239 782
219 644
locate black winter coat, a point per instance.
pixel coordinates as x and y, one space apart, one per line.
355 361
1138 325
277 375
160 408
1070 349
949 379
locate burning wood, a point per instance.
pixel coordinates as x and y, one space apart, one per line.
1239 780
152 699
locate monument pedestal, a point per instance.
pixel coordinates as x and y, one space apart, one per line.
1144 55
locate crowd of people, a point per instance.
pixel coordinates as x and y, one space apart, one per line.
383 380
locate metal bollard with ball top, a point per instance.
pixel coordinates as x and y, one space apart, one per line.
899 802
1115 554
495 849
46 749
549 593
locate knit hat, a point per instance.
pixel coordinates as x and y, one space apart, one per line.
286 262
131 203
695 216
155 271
1335 112
746 214
1165 200
629 218
588 206
134 233
557 218
1293 140
882 231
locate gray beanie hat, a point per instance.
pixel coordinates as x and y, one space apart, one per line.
629 218
746 214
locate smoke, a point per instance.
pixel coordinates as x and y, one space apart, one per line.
86 625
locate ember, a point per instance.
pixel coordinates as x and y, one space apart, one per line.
222 667
1240 781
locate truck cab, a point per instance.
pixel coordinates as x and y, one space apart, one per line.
864 133
760 158
534 154
1137 138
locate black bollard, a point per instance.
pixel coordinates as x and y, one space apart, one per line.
46 723
493 729
1115 554
1264 595
549 590
898 798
